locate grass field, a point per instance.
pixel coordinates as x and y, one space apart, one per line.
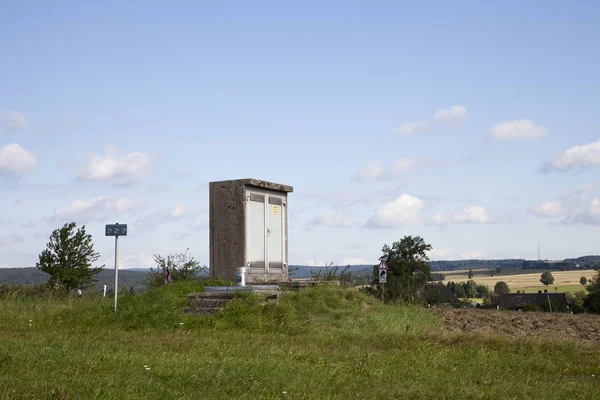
328 342
566 281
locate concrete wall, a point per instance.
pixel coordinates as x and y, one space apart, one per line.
227 230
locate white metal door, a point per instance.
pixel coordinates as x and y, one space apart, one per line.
265 232
275 234
255 233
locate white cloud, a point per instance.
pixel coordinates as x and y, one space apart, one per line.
333 219
581 207
473 255
454 114
121 171
402 211
377 170
441 218
453 254
588 213
472 215
468 215
15 161
548 209
512 130
141 259
411 128
587 155
356 261
372 171
13 121
179 212
404 165
315 263
10 239
96 209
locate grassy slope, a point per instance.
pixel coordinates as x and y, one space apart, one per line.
325 343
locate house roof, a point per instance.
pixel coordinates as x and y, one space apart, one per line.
517 300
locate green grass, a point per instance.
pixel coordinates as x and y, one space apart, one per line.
328 342
552 289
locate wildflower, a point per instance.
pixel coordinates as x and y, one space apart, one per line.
181 323
284 392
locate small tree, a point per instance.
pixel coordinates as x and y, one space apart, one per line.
583 280
68 259
547 278
408 269
471 289
501 287
459 292
592 300
181 267
471 274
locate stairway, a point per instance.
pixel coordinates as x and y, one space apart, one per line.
210 302
207 303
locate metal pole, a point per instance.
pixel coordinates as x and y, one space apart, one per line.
383 292
116 271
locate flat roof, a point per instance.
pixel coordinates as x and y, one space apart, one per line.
259 184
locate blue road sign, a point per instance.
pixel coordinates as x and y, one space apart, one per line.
116 230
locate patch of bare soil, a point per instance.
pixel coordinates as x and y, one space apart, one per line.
582 328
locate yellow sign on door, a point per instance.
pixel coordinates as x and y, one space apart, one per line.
275 210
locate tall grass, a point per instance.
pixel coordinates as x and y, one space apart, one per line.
327 342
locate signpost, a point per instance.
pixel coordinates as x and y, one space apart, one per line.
382 271
116 230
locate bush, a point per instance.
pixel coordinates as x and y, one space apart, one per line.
333 273
16 291
577 301
592 300
501 287
180 266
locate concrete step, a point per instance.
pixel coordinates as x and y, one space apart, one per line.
202 311
207 302
210 295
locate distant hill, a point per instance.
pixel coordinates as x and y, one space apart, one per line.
584 259
33 276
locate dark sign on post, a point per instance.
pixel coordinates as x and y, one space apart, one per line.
116 230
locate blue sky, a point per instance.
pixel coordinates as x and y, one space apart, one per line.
472 124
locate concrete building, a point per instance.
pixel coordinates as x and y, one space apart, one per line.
249 228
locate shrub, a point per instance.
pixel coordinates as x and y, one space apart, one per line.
180 266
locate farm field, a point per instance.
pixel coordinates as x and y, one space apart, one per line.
567 281
325 343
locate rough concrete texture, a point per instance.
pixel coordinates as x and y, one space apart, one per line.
265 185
228 231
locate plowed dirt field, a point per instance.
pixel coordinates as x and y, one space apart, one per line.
583 328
